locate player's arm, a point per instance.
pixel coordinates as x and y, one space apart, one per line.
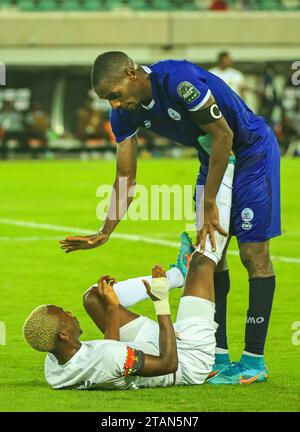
210 119
124 184
167 361
111 301
123 191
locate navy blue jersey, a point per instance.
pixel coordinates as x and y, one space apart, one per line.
180 87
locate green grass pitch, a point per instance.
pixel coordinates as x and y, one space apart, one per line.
34 271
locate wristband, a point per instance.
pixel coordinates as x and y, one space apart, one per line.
160 288
162 307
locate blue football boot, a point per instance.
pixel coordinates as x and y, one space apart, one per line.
185 251
246 371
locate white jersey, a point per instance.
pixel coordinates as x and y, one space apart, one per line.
233 78
103 364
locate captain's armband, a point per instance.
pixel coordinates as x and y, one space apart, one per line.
208 115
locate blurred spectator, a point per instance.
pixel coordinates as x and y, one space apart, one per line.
92 125
291 118
12 127
218 5
266 93
233 78
37 124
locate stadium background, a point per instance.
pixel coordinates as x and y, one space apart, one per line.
57 148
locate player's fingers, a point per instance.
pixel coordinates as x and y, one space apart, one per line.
71 250
147 285
221 230
154 271
102 278
203 239
212 240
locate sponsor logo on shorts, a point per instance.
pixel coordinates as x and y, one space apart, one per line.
247 214
174 114
147 123
187 91
247 226
252 320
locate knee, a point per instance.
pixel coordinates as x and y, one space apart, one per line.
89 296
257 261
198 263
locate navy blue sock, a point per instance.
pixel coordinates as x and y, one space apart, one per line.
261 294
222 285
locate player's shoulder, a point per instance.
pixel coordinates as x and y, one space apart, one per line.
176 68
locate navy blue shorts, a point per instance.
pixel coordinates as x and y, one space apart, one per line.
255 213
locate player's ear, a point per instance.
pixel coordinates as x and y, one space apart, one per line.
131 73
63 335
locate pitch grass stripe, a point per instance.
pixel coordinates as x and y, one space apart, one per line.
28 238
130 237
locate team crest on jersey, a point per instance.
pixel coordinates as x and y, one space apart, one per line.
247 214
187 91
174 114
147 123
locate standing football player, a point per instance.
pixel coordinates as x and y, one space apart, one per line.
183 102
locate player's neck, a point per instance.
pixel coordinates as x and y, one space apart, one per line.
147 87
65 353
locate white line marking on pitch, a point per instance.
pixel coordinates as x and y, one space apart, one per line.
130 237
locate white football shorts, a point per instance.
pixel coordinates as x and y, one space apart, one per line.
223 201
195 336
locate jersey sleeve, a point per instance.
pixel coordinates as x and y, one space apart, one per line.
189 87
123 360
121 126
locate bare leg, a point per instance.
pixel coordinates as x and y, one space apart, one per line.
200 278
96 309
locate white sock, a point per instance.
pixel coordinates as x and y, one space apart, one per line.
251 354
221 351
132 291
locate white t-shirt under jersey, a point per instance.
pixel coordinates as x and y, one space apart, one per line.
233 78
103 364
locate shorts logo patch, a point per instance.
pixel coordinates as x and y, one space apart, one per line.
247 214
174 114
147 123
247 226
187 91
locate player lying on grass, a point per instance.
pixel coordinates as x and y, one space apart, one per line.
136 351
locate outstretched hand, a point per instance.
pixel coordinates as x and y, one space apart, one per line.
73 243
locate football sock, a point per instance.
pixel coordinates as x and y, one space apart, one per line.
222 285
132 291
221 356
251 361
261 294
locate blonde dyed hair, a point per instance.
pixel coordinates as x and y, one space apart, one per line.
40 329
